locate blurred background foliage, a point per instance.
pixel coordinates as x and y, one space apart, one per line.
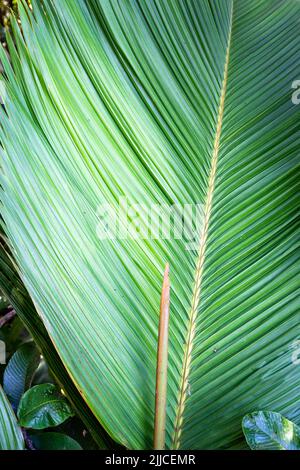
7 7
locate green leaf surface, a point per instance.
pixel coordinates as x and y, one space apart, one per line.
266 430
54 441
19 372
42 407
170 102
18 296
11 437
4 303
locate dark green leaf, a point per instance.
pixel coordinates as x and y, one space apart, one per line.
42 407
54 441
4 303
76 429
15 334
19 372
266 430
185 102
42 374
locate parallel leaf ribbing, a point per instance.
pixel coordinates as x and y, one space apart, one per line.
108 99
183 391
11 437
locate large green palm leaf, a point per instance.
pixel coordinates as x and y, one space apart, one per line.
160 102
11 437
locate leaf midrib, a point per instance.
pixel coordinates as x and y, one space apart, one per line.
39 406
184 384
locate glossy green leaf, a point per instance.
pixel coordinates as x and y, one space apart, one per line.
54 441
266 430
170 102
11 437
19 372
42 407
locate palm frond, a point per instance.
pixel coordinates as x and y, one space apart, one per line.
169 102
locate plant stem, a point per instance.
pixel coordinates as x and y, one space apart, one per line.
7 317
162 366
